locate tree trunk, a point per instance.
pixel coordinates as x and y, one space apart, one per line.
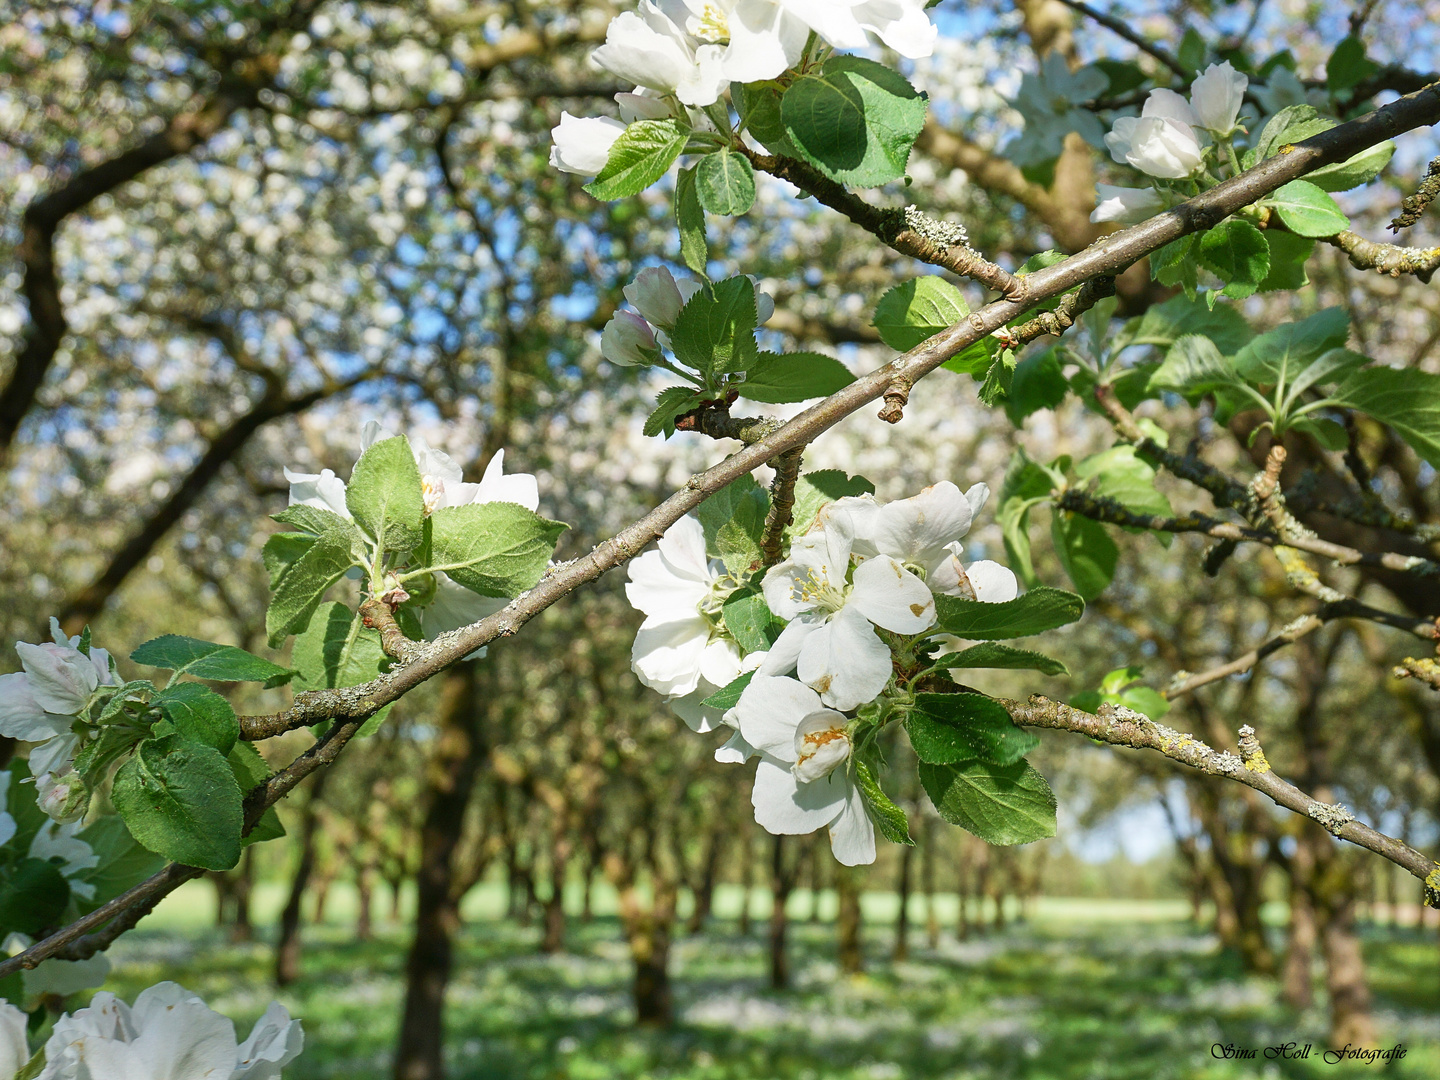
850 946
649 934
747 878
454 764
287 946
781 883
902 917
241 928
553 940
1350 1020
704 891
1296 986
365 895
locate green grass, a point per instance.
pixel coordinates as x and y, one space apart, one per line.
1085 991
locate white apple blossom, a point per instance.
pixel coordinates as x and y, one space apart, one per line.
643 104
803 781
922 532
1282 89
1216 97
1126 205
680 646
656 297
43 700
582 145
14 1049
169 1034
1158 145
830 640
628 341
647 48
1051 100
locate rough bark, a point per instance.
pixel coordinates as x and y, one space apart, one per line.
454 763
901 950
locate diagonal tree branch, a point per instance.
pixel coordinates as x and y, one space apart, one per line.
349 707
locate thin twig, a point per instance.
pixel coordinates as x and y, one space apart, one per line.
782 504
1390 259
1412 206
1125 727
1115 26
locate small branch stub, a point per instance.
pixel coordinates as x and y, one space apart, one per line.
1412 206
1251 752
377 614
897 396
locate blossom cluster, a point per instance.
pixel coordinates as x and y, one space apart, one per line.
168 1034
443 483
1172 140
857 597
44 703
683 54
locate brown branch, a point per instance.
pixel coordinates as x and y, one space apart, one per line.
782 504
1225 491
1412 206
1125 727
1391 259
1100 508
347 708
377 614
1115 26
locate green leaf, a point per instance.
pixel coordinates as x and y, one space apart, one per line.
1352 172
1026 486
715 331
1235 251
641 155
690 222
1036 611
1306 210
996 387
1406 399
250 770
738 540
725 183
671 403
1001 804
1175 263
1194 366
780 378
20 804
33 896
719 508
385 495
1164 324
1288 256
1119 474
1328 433
199 714
1086 552
815 489
337 649
122 862
750 622
1192 51
759 107
284 550
207 660
302 586
311 519
1279 354
1120 687
726 697
888 818
1038 384
1348 66
1292 124
917 310
180 800
946 729
854 120
494 549
1326 369
991 654
1124 76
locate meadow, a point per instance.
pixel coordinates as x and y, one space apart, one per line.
1078 990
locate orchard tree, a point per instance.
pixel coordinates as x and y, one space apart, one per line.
1192 188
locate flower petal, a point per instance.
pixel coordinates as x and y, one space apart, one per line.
657 590
666 655
852 834
786 807
735 752
781 658
21 717
993 583
891 596
917 529
845 661
770 710
495 486
61 679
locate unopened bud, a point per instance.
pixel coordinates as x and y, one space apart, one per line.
64 797
628 341
655 296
